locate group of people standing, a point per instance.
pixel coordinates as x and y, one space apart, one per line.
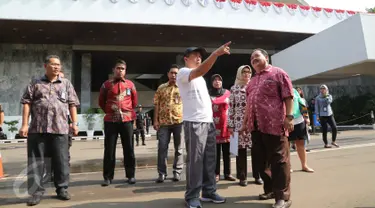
264 111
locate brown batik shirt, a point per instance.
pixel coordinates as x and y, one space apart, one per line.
49 104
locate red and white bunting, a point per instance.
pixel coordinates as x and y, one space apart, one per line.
251 5
292 9
328 12
316 11
219 3
235 4
265 6
305 10
339 13
278 7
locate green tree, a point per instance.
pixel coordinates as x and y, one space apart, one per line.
370 10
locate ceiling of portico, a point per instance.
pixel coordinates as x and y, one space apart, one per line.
42 32
360 69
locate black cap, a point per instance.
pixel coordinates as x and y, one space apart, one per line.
201 50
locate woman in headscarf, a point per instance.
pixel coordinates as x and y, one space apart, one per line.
235 120
220 105
323 111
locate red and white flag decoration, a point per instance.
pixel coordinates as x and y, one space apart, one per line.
328 12
219 3
292 8
316 11
264 6
250 4
304 10
278 7
339 13
235 4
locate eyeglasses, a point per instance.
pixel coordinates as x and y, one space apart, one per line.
246 72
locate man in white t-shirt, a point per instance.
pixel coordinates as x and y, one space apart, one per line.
199 129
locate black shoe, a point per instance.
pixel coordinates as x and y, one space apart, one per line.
34 200
143 144
243 183
137 144
63 195
160 179
176 177
106 182
266 196
131 181
259 181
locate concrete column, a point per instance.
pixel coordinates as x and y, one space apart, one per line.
85 82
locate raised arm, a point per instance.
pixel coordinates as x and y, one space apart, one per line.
209 62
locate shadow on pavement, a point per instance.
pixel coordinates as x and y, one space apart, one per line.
233 202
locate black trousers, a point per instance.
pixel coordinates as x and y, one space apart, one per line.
142 132
112 130
241 164
324 121
225 147
58 148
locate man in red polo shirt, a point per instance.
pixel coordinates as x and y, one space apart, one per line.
118 99
269 118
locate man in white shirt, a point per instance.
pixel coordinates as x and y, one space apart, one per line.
199 129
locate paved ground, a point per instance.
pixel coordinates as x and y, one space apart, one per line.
87 156
343 179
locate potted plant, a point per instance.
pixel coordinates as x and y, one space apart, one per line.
12 128
89 117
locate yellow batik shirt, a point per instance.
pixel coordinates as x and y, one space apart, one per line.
168 99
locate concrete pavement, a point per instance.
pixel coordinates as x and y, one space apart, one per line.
87 156
343 179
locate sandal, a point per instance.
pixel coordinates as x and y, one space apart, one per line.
335 144
307 170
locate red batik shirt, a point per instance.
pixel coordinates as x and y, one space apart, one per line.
266 93
118 99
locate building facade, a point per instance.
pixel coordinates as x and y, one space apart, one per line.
149 35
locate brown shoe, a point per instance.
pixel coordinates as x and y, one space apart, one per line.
230 178
266 196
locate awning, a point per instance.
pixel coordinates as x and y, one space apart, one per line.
344 50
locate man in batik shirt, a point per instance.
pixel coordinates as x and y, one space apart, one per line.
118 99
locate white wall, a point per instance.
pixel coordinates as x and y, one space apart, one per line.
341 45
368 22
204 13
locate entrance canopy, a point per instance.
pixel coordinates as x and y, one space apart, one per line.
344 50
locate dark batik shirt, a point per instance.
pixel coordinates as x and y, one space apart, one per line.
49 104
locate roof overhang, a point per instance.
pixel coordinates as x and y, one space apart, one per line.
235 14
344 50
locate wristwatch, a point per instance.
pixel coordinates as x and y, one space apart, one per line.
290 117
75 123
